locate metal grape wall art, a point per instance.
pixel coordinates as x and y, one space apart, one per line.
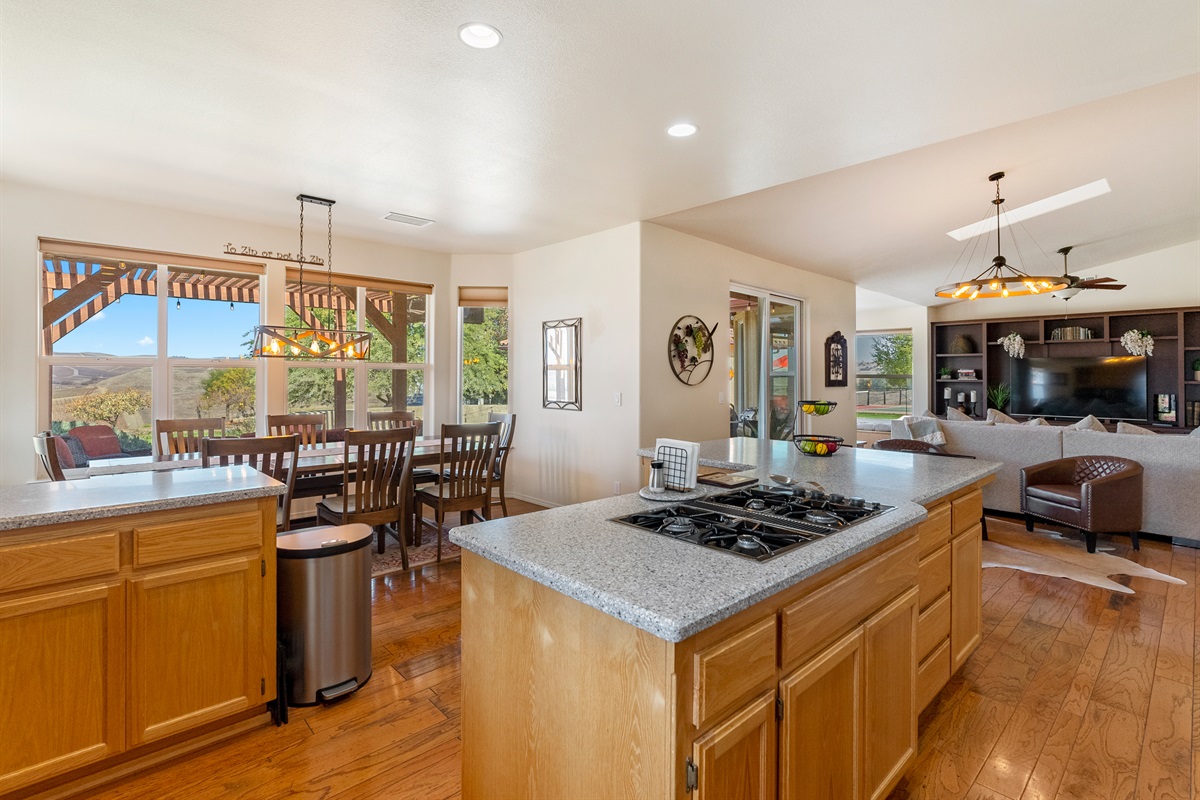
690 349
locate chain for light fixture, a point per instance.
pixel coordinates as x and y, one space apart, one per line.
1001 279
306 342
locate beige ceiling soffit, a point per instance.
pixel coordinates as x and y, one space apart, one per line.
1034 209
317 276
85 250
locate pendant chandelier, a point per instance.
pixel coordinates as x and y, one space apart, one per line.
1001 279
314 340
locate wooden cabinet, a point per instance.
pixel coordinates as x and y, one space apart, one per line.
889 695
195 646
966 595
62 674
821 729
737 758
131 630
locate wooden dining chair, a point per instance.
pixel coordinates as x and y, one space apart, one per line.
45 444
466 464
309 427
508 424
274 456
375 481
385 420
178 436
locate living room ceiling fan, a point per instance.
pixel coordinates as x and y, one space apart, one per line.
1076 284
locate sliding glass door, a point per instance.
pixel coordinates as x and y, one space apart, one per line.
764 364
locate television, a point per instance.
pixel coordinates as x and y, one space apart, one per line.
1109 387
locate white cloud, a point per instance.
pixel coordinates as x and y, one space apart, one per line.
145 341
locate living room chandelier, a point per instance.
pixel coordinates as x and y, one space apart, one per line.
313 339
1001 279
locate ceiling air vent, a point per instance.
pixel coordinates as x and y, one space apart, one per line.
408 219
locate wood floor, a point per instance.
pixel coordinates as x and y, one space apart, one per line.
1076 692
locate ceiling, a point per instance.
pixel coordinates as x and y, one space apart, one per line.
875 122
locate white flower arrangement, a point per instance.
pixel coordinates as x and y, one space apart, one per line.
1138 343
1013 344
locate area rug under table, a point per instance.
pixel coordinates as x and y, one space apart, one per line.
1044 552
426 553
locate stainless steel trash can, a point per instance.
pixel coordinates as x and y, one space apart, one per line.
324 591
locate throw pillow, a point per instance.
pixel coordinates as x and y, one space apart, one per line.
927 430
1125 427
1195 432
1090 423
1000 418
956 415
1037 422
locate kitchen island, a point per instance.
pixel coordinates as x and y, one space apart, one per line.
137 620
601 660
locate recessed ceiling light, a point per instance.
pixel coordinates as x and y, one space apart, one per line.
479 35
1034 209
681 129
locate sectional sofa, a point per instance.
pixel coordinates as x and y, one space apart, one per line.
1171 500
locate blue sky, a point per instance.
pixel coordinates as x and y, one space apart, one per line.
197 329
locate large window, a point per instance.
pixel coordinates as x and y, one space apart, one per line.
394 376
883 379
765 368
483 350
122 347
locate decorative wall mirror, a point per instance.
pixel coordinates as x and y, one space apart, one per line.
561 365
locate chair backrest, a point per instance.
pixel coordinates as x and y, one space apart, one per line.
906 446
271 455
45 444
508 424
377 465
309 427
468 458
177 436
98 440
387 420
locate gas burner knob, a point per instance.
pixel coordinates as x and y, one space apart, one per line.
815 495
856 501
836 498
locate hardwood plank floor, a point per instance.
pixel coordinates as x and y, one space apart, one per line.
1075 692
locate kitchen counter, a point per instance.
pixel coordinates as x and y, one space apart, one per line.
674 590
57 502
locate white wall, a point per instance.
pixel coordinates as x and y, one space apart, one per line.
564 457
1167 278
903 316
681 274
29 212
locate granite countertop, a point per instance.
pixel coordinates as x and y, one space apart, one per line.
675 589
56 502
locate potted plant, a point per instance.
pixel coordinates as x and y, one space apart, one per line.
944 373
999 395
1013 344
1196 369
1138 343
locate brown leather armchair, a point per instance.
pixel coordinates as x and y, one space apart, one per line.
1093 494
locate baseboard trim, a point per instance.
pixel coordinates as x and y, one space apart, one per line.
537 501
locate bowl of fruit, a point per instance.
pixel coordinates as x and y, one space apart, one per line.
817 408
812 444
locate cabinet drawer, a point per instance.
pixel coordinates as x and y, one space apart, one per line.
832 610
934 576
932 675
933 626
731 672
24 566
186 539
967 510
935 530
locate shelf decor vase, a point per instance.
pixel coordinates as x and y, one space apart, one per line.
962 345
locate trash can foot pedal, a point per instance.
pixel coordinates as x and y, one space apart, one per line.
328 695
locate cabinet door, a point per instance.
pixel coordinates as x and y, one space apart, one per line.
195 646
61 682
736 760
966 595
889 694
820 739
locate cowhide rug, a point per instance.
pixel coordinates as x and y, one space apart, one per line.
1044 552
